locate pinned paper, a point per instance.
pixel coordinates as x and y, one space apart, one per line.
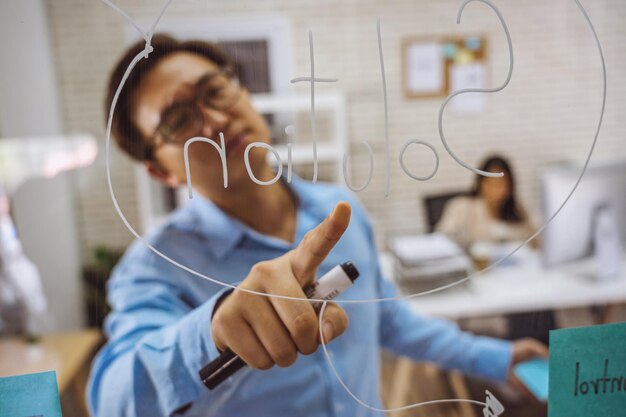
468 76
425 68
32 395
588 371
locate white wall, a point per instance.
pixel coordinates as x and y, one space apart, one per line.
29 103
43 210
547 113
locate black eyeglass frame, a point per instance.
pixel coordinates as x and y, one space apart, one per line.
192 108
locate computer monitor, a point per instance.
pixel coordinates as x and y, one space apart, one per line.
570 234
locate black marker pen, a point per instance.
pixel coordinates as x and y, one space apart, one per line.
333 283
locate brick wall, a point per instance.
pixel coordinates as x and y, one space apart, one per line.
548 112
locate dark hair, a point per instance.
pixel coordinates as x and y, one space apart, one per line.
123 128
510 211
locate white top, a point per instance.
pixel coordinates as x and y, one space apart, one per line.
466 220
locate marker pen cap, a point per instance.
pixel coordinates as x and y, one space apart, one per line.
350 270
333 283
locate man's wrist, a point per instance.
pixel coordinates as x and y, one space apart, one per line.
221 299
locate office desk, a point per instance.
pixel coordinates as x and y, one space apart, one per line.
523 287
68 354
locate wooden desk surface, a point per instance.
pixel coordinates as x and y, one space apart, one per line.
64 353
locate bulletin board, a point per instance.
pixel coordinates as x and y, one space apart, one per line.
431 66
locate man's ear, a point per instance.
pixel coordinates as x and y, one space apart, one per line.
159 174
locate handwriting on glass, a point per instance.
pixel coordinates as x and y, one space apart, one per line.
312 80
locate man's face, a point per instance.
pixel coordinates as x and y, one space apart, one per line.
172 81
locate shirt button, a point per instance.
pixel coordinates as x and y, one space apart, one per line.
339 408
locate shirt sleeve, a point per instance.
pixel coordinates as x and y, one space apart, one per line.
157 344
421 338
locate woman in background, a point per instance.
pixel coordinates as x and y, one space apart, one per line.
491 213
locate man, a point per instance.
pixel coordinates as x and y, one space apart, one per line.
166 324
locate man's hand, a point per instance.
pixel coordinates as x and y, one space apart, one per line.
265 331
523 350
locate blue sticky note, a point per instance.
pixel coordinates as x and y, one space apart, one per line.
534 374
472 43
32 395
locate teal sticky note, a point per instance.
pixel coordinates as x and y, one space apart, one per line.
32 395
588 372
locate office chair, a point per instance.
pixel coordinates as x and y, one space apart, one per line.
534 324
435 204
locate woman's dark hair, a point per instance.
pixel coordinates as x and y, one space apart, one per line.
510 211
123 128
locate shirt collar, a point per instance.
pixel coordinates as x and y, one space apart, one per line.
223 232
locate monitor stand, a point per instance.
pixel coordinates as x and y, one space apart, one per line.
606 243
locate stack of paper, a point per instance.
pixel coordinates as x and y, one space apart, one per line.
427 261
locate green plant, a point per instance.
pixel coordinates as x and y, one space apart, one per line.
95 277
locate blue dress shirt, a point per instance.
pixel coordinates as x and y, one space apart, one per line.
160 335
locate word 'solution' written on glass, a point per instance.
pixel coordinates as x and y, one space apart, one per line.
221 148
492 407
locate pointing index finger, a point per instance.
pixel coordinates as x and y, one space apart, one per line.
318 243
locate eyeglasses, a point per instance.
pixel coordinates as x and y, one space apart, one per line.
215 90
